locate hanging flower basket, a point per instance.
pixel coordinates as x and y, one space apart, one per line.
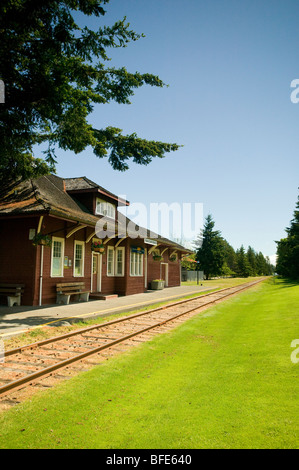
173 258
98 247
157 257
40 239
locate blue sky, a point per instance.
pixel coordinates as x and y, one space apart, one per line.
229 65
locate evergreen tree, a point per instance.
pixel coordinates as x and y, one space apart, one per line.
269 267
226 271
263 265
251 257
260 264
54 72
243 266
209 251
230 260
284 256
288 249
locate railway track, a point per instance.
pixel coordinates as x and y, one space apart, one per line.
29 364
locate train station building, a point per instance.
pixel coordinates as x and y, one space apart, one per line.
67 230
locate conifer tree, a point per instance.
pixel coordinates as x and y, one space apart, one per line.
288 249
230 259
54 72
251 257
209 253
243 266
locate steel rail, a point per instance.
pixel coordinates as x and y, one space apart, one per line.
13 385
120 320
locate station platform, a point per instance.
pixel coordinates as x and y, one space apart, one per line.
18 319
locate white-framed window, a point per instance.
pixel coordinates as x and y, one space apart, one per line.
105 208
120 261
79 258
136 264
94 264
110 261
57 257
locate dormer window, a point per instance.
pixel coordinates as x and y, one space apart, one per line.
105 208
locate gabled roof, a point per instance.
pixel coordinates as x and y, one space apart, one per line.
83 184
79 183
46 194
49 195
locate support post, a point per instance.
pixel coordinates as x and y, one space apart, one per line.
41 274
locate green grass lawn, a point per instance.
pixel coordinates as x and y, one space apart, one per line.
223 379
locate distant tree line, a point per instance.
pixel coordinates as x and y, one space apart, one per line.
216 257
287 264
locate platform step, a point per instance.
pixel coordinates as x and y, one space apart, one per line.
99 296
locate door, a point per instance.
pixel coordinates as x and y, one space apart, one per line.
96 272
164 273
145 268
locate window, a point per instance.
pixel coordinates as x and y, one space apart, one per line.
105 208
57 257
110 261
120 261
94 264
115 261
136 264
79 259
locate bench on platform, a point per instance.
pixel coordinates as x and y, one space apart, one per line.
13 292
64 290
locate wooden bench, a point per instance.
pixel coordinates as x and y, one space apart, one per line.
64 290
13 293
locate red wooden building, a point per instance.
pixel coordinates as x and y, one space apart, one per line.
68 212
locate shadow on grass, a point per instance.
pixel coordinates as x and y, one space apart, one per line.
283 282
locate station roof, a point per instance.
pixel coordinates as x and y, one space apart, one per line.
83 184
52 195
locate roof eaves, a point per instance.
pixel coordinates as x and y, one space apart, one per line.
57 212
123 228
